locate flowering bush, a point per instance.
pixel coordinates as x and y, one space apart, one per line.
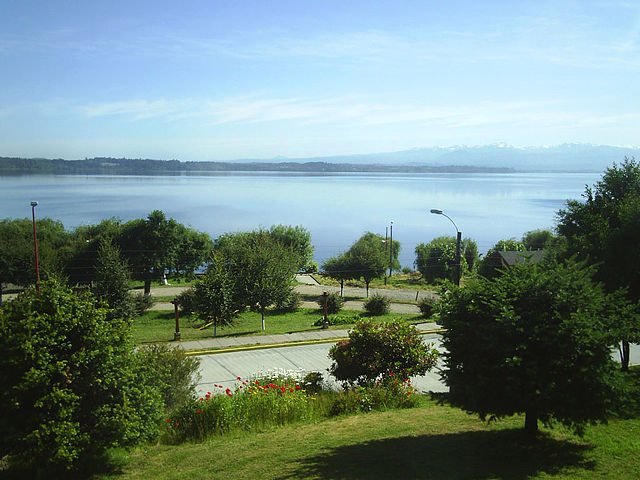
252 405
382 395
375 350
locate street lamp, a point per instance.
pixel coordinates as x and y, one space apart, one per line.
391 249
35 243
458 243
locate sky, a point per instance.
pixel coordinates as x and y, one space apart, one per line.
239 79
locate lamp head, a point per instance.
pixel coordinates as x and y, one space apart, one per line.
436 211
33 204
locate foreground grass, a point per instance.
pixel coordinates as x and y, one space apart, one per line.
428 442
159 326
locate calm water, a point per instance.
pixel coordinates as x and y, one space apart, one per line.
336 209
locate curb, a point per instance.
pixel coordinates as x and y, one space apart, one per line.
295 343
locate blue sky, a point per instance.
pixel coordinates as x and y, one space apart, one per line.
217 80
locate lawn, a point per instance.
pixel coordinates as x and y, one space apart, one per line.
428 442
159 326
408 281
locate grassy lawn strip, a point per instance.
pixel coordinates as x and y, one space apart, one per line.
159 326
428 442
397 281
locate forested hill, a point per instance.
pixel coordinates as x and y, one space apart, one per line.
127 166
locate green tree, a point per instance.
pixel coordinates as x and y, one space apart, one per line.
212 297
436 260
68 390
538 239
470 253
367 258
17 259
339 268
298 239
156 245
113 281
535 340
604 229
261 267
381 350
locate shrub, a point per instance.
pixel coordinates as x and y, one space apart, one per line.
428 306
252 405
378 350
173 374
69 387
186 301
334 303
383 395
289 303
340 319
407 270
377 305
141 303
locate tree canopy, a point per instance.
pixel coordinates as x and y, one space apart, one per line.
436 260
535 340
604 230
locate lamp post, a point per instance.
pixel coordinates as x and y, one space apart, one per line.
35 243
390 248
458 243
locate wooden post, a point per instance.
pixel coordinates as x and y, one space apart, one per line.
325 321
176 335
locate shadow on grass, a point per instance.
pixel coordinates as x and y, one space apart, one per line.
481 455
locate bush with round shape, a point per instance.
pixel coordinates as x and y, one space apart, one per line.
379 351
334 303
377 305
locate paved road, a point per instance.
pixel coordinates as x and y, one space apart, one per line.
224 368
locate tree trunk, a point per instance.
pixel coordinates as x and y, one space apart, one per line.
0 293
367 283
342 288
147 287
624 356
262 312
531 423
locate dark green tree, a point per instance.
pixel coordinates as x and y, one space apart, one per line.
156 245
68 390
539 239
535 340
113 281
604 229
368 258
17 259
436 260
470 253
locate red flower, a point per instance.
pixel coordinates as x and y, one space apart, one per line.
168 419
228 391
199 411
238 378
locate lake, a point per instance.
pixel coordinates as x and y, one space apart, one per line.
335 208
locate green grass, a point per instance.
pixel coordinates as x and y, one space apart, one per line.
159 326
429 442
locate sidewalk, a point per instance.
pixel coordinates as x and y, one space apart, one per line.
222 344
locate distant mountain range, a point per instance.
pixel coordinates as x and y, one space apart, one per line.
486 158
581 157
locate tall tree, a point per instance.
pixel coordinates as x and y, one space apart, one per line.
604 229
339 268
436 260
368 258
113 281
17 259
535 340
262 268
298 239
156 245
